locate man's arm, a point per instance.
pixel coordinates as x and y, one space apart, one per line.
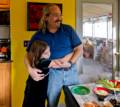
76 53
33 72
72 57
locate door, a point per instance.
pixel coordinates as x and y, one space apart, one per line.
97 21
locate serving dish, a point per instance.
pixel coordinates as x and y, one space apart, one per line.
111 85
80 90
101 92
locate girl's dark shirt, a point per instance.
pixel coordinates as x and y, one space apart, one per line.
37 90
42 64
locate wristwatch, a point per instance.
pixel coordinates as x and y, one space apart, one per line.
70 62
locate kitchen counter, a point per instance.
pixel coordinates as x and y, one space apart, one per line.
6 61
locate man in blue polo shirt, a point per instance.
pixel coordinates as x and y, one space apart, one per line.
65 46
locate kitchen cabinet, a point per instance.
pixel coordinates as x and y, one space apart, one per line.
4 19
5 4
5 81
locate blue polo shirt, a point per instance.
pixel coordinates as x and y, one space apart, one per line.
61 42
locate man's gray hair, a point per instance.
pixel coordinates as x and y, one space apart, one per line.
46 12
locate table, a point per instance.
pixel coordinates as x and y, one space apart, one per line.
74 100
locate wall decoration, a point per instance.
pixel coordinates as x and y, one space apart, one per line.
34 13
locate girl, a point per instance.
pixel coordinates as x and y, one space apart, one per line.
36 91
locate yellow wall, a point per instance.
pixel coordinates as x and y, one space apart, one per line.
19 33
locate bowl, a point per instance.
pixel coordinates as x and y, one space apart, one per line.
101 92
80 90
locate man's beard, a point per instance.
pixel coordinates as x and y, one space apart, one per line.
58 23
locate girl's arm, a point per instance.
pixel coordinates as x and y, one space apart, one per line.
36 74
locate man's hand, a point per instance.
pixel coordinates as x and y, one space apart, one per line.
66 65
36 74
55 63
59 64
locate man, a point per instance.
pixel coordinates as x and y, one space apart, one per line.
64 46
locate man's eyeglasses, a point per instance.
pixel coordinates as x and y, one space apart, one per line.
56 15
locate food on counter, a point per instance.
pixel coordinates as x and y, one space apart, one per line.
107 83
107 104
115 103
114 100
112 85
91 104
118 85
111 103
101 92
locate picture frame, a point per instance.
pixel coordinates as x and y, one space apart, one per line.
34 14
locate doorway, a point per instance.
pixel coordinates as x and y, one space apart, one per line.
96 21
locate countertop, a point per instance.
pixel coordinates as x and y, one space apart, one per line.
6 61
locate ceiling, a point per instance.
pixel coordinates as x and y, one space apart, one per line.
96 10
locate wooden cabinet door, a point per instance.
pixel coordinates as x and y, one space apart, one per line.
4 4
5 85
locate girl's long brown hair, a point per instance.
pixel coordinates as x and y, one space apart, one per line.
36 50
